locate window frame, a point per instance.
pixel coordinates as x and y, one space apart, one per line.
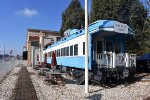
76 50
71 51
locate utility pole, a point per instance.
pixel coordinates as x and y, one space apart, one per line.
4 49
86 48
4 54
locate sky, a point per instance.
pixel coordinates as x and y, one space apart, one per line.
16 16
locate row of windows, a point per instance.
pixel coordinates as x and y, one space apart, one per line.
67 51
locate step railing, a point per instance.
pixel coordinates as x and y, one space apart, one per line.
132 60
112 60
105 59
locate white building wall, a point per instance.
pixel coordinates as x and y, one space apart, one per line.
49 38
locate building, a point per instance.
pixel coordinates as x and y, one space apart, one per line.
35 42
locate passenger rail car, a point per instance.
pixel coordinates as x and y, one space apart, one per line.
143 63
107 55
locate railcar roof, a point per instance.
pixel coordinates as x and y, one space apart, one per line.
93 26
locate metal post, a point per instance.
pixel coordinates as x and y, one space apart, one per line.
114 59
127 59
32 56
86 47
41 46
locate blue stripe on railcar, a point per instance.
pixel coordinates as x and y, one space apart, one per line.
78 62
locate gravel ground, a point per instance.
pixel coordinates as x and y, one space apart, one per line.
8 84
135 91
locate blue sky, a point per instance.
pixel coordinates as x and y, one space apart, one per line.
18 15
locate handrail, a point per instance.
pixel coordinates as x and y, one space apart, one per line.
111 60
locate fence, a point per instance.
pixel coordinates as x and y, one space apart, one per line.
7 65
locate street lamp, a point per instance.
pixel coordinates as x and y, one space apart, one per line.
86 47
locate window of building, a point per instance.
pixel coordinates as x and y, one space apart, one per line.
57 38
49 54
83 48
71 50
56 53
76 49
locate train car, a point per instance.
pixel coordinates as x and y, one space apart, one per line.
107 54
143 63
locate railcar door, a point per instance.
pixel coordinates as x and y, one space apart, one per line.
109 46
117 48
97 49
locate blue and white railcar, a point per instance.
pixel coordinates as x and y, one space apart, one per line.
107 54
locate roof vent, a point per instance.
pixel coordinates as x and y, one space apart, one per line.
70 32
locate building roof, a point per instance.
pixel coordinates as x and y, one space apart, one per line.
37 32
44 31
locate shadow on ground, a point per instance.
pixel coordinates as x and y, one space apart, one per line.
94 97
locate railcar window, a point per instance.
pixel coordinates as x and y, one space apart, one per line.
67 51
61 51
64 54
117 47
76 49
83 48
64 51
109 46
71 50
56 53
99 47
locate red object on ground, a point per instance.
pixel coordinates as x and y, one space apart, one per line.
45 58
53 61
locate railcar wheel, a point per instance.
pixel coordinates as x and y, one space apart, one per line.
102 77
100 74
124 74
